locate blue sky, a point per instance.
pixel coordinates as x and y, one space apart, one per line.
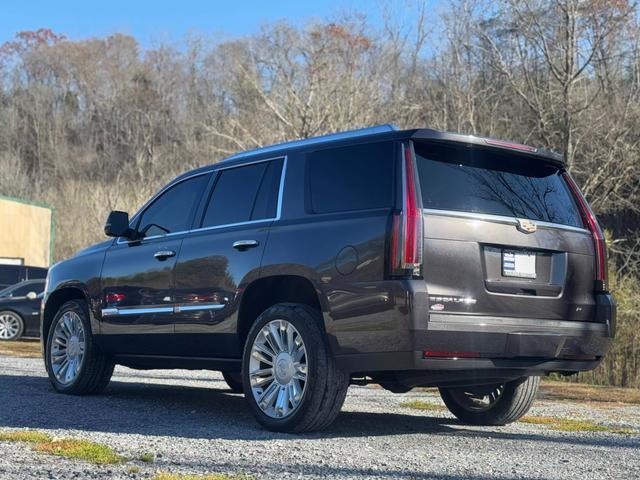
160 20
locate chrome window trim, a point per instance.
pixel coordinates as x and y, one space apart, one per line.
500 219
215 227
112 312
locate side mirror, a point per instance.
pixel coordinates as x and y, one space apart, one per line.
32 295
117 224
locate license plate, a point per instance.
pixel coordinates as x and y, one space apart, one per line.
518 264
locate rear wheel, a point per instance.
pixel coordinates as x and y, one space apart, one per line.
74 363
234 381
492 404
11 325
291 382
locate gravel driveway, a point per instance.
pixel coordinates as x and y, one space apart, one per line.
193 425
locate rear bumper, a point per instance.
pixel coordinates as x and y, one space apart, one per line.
501 348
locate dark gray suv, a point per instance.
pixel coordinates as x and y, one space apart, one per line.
404 258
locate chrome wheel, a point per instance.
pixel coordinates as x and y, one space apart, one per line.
278 369
10 326
67 347
478 399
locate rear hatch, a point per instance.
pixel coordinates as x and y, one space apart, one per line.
504 235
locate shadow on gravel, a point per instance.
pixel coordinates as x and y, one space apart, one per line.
191 412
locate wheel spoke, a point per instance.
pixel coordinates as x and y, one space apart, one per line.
265 351
290 340
282 403
269 395
274 330
299 352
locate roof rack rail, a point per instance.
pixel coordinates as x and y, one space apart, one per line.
360 132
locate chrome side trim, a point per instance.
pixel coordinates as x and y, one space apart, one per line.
214 170
195 308
361 132
112 312
500 219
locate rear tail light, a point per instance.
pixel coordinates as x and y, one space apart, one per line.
406 228
590 221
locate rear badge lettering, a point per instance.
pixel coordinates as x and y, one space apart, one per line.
456 300
437 307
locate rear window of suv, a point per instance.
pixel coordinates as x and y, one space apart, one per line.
357 177
489 181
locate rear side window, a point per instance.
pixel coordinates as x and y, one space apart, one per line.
243 194
493 182
358 177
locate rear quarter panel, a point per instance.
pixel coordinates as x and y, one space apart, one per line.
343 255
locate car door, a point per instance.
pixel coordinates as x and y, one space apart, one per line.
222 254
137 276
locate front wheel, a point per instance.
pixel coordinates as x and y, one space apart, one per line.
74 363
291 382
492 404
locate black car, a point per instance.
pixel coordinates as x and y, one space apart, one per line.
12 274
20 310
404 258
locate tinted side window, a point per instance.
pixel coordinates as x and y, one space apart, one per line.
245 193
358 177
266 203
494 182
170 212
9 274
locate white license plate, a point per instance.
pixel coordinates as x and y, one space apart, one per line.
518 264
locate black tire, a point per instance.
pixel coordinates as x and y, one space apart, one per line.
326 385
395 387
15 319
234 381
515 400
96 369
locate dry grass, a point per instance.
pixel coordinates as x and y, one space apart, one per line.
21 348
570 425
147 457
550 390
213 476
82 450
422 405
29 436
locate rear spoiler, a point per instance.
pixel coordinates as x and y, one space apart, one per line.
429 135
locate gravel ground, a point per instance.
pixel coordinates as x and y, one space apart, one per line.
193 425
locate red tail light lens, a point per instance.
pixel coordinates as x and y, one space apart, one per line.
406 228
590 221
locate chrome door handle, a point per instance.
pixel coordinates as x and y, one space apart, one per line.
245 244
164 254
